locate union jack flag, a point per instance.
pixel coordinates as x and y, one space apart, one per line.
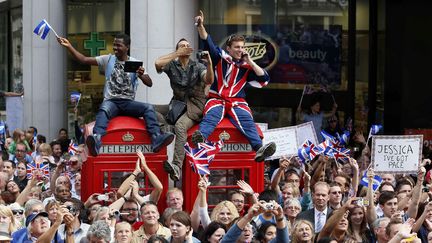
211 148
342 155
73 147
198 159
35 166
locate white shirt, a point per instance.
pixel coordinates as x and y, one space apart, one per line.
323 218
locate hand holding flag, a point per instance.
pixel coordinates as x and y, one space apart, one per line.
43 29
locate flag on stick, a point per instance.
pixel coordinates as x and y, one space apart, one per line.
43 29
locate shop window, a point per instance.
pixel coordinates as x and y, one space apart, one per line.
92 26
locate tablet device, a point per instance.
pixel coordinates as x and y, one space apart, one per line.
132 66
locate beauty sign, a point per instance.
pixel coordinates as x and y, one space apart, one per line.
396 154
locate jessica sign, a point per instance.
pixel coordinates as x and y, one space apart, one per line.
396 154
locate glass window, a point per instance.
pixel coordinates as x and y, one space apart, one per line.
223 181
297 42
91 27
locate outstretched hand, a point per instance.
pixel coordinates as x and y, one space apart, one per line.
63 41
199 20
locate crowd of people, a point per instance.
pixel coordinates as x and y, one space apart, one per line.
322 200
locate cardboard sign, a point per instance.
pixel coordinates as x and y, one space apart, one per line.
396 154
289 139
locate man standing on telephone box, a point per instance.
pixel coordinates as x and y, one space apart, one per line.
119 93
233 70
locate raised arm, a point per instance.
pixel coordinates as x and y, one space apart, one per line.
165 59
157 185
126 183
413 206
355 180
22 197
334 219
370 210
76 54
283 164
419 222
199 20
248 191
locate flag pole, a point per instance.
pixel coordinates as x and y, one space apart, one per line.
55 33
301 98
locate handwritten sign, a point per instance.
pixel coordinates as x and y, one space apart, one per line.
306 131
289 139
396 154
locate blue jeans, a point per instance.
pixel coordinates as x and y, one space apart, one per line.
116 107
247 126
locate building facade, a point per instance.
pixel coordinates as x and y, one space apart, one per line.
323 43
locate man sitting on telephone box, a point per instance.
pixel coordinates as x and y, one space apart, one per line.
119 93
233 70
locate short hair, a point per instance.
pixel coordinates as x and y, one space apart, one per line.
224 204
78 205
268 195
34 129
182 217
347 178
390 224
378 221
292 201
148 203
234 38
167 215
63 130
30 204
12 163
41 138
126 39
209 231
99 229
290 172
401 183
101 210
55 142
385 183
320 183
232 193
178 42
386 196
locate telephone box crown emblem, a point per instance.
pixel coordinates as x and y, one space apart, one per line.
224 136
127 137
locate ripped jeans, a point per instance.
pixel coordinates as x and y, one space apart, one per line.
117 107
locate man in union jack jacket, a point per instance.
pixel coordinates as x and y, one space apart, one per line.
234 69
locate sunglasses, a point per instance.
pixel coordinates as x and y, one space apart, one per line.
15 212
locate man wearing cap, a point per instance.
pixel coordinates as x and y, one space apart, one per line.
36 225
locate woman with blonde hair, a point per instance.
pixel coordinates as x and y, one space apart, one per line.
6 216
302 232
123 232
224 212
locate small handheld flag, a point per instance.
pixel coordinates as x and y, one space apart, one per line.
75 97
73 148
198 159
376 181
43 29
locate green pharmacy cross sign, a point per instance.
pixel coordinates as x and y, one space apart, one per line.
94 44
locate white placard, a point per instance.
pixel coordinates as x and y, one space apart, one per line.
262 126
396 154
14 113
285 139
306 131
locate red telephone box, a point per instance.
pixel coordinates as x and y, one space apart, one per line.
234 162
117 158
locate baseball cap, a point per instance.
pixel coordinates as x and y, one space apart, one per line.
33 216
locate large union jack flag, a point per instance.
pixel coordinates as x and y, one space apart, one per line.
36 166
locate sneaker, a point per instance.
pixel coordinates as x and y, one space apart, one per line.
197 138
172 169
265 151
160 141
93 143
